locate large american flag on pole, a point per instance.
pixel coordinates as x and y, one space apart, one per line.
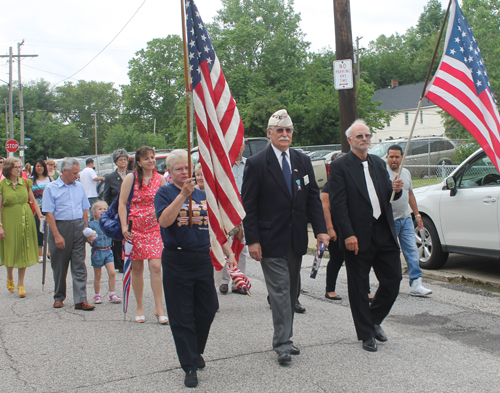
461 86
220 133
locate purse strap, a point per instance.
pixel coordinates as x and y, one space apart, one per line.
131 195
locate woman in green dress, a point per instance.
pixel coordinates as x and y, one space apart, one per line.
18 237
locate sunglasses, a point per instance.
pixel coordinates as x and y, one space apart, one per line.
280 130
360 137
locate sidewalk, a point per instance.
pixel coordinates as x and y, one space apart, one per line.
43 349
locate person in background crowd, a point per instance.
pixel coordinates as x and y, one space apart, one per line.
238 170
360 193
187 268
89 179
198 174
40 180
65 205
336 254
1 166
401 210
102 255
279 193
112 185
27 170
145 235
18 246
51 169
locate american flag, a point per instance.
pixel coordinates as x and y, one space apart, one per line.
220 133
127 274
462 88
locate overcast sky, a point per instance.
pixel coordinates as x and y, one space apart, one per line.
67 34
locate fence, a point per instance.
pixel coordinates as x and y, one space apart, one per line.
427 175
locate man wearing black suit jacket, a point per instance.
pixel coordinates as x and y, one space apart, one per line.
278 190
360 192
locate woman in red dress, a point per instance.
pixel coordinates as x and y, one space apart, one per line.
145 234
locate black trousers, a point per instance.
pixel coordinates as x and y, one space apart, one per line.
188 284
117 254
383 256
334 265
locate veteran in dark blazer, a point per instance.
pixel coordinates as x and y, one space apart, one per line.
112 185
278 191
360 192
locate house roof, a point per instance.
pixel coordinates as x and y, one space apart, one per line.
401 98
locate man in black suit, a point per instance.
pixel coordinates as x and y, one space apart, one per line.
360 192
278 190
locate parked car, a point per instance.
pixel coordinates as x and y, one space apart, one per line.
434 150
461 214
160 161
318 153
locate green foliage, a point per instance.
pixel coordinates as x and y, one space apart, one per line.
466 149
121 137
156 85
78 103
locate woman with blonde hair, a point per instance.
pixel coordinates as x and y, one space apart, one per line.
18 238
51 169
145 233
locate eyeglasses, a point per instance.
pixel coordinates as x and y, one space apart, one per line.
360 137
18 167
280 130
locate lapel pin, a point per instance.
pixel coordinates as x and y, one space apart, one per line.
295 170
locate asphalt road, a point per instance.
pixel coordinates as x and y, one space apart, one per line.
449 342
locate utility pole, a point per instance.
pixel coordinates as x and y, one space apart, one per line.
11 113
348 106
21 103
6 120
95 131
358 73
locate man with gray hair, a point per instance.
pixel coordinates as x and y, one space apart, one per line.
279 191
360 193
65 206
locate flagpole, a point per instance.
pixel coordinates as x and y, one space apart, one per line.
422 95
188 111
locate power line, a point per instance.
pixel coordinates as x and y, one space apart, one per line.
105 46
48 72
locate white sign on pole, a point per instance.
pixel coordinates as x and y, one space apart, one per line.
342 74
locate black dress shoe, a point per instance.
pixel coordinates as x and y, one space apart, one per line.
332 297
299 308
241 291
200 362
223 289
379 334
191 380
294 350
284 357
370 345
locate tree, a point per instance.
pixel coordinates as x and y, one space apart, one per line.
78 103
156 85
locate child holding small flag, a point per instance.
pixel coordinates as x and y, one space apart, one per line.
102 255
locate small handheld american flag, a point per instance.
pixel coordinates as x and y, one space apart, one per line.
317 259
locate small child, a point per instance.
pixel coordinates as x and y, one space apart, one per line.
102 255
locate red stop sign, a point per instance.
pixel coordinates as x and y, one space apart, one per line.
11 146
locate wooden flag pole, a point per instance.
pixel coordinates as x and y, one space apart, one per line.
422 95
188 112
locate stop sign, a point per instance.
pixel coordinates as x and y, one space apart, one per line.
11 146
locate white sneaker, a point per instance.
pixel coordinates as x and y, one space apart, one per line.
417 289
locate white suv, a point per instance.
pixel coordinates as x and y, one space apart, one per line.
461 214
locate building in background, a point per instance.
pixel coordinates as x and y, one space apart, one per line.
404 100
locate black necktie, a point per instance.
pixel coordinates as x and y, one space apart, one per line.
287 173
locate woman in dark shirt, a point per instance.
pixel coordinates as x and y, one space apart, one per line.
187 268
112 185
